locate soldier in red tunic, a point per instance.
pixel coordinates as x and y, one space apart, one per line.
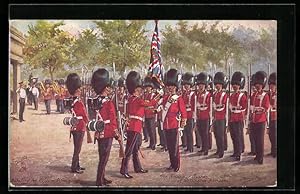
107 113
237 107
189 98
136 111
149 113
174 117
203 111
73 84
219 107
260 104
273 113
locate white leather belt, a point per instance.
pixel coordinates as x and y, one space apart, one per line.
273 109
79 117
188 109
236 111
259 110
135 117
106 121
121 105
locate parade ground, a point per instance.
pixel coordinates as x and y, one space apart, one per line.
40 154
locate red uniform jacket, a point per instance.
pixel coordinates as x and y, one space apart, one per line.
149 110
220 99
189 101
203 105
273 106
136 112
62 93
108 114
176 107
260 103
48 93
237 109
80 111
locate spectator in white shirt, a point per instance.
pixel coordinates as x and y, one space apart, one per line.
22 93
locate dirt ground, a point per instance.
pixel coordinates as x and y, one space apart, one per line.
40 154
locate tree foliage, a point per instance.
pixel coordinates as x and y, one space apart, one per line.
47 47
124 43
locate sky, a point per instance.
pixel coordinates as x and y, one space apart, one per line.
74 27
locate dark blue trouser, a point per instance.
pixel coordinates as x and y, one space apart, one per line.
22 108
203 128
219 126
133 144
161 133
272 136
173 147
259 134
236 132
188 129
48 106
77 141
150 127
104 147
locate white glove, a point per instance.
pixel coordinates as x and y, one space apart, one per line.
160 91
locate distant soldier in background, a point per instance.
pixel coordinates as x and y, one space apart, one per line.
29 94
219 106
22 92
149 125
61 95
250 127
203 103
48 94
189 97
237 106
35 93
273 114
210 88
260 105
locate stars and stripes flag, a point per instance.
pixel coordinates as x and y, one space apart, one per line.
156 68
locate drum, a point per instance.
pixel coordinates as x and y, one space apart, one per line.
94 125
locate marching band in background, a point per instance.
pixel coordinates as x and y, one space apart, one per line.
188 108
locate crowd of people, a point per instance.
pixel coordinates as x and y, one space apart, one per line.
185 108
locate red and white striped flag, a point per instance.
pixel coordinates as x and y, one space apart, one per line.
156 68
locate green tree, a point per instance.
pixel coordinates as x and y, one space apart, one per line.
47 47
124 42
85 49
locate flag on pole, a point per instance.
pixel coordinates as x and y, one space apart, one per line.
156 68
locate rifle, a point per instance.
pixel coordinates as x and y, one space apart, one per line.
228 99
211 102
268 111
249 99
120 130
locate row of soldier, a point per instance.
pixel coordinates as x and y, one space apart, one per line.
176 112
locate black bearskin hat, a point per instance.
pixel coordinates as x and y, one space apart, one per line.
61 81
202 78
188 78
238 78
272 78
133 81
73 83
100 79
252 80
121 82
260 78
172 78
220 78
148 82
